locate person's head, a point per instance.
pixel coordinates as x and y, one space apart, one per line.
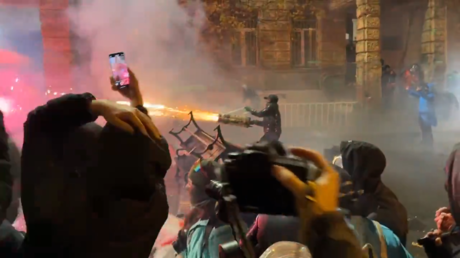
244 86
386 68
415 68
199 178
81 146
287 249
271 98
364 161
132 165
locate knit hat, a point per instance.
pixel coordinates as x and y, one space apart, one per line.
202 172
200 175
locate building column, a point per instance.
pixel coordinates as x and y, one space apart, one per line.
368 66
434 43
57 51
453 37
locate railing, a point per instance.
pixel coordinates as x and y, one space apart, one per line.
328 115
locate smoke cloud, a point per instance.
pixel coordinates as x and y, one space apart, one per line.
161 41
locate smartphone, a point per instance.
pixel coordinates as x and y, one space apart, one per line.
119 69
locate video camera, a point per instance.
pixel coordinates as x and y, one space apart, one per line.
247 185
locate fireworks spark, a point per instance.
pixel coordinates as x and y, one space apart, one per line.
180 113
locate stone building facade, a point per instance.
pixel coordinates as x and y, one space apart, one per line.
282 52
57 47
368 65
433 52
277 52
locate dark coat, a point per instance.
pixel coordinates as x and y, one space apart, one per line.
67 163
6 179
365 163
128 196
450 247
271 118
15 157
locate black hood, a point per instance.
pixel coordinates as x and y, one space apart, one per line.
365 163
346 187
452 170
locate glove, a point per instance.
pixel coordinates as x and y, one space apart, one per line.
248 109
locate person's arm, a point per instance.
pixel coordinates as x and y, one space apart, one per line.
265 112
6 180
429 95
330 236
61 114
414 93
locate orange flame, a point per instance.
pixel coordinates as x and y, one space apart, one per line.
182 113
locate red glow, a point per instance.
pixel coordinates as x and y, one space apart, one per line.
12 58
6 106
18 89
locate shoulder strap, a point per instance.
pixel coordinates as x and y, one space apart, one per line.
360 230
357 223
383 243
368 251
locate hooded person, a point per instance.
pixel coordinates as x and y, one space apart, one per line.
271 119
444 242
126 193
10 238
15 157
72 170
6 179
269 230
452 170
365 163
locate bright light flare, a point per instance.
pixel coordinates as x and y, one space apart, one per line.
182 113
6 105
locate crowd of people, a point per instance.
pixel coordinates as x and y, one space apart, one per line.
99 191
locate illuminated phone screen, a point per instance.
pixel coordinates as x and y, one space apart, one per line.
119 69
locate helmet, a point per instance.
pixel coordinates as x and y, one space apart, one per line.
285 249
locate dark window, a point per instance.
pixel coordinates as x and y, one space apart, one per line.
303 41
251 48
296 48
310 47
236 48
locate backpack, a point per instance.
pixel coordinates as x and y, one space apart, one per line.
373 246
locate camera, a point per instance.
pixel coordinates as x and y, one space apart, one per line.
248 174
246 185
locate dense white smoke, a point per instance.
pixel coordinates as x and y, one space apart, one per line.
160 40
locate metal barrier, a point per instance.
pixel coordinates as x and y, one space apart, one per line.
328 115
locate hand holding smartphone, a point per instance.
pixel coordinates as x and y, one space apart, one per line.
120 71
